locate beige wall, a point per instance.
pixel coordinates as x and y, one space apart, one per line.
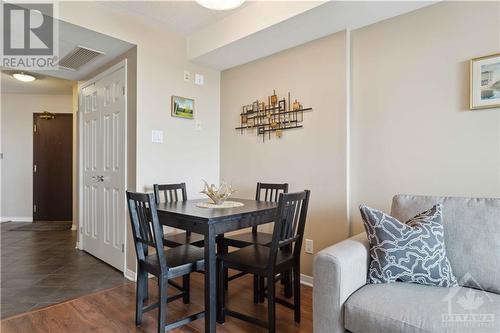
313 157
187 154
17 149
411 129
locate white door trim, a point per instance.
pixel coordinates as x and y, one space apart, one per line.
81 86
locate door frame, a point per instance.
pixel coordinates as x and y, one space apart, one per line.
81 86
35 115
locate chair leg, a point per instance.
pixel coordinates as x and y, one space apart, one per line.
287 278
185 288
271 304
296 292
139 297
162 309
262 289
256 288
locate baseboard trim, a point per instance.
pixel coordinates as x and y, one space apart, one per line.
16 219
130 275
306 280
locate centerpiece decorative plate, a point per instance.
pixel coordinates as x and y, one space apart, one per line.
218 196
225 204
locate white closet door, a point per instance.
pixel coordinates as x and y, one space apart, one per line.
104 168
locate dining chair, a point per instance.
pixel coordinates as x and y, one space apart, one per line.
265 192
170 193
165 264
267 261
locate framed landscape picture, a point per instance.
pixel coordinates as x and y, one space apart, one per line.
485 82
182 107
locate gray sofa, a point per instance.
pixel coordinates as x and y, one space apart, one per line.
342 301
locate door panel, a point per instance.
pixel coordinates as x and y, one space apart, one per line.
52 167
90 152
104 147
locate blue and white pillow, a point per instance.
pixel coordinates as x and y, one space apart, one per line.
407 252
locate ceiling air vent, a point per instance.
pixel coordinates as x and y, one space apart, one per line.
78 57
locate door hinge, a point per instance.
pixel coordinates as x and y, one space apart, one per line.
123 91
81 230
34 168
123 247
34 208
34 128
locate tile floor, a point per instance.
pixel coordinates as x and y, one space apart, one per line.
40 268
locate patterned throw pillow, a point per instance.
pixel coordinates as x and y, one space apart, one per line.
408 252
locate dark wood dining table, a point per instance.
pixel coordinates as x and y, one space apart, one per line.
213 223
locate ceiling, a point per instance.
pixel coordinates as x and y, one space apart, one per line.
211 46
224 39
45 85
71 36
183 17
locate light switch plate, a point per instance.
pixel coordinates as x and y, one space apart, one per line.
199 79
187 76
198 125
156 136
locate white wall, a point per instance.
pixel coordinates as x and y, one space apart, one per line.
313 157
17 149
412 131
187 154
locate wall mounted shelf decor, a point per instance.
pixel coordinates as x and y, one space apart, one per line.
273 118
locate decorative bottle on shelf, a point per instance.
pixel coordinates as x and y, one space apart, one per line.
296 106
274 98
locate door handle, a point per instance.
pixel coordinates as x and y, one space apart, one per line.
98 178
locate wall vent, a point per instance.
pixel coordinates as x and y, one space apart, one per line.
78 57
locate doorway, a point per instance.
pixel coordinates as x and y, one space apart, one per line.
52 166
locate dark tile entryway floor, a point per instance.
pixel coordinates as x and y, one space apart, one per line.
40 268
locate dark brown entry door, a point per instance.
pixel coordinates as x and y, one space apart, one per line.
52 167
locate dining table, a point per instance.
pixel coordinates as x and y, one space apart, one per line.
213 223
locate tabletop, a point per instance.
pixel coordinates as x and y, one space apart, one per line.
189 209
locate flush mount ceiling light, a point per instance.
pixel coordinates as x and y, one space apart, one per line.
24 77
220 4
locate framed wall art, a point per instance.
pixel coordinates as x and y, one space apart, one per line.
182 107
485 82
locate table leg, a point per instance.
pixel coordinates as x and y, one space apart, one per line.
210 281
220 275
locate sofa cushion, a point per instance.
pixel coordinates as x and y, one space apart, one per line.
411 251
472 235
407 307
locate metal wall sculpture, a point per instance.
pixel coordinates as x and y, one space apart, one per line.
273 118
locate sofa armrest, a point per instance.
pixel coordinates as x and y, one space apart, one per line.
339 271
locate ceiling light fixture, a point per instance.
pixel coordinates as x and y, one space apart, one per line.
24 77
220 4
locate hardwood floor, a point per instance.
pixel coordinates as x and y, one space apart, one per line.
113 310
40 268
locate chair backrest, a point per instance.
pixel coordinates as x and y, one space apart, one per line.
170 192
271 194
289 224
271 191
146 228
